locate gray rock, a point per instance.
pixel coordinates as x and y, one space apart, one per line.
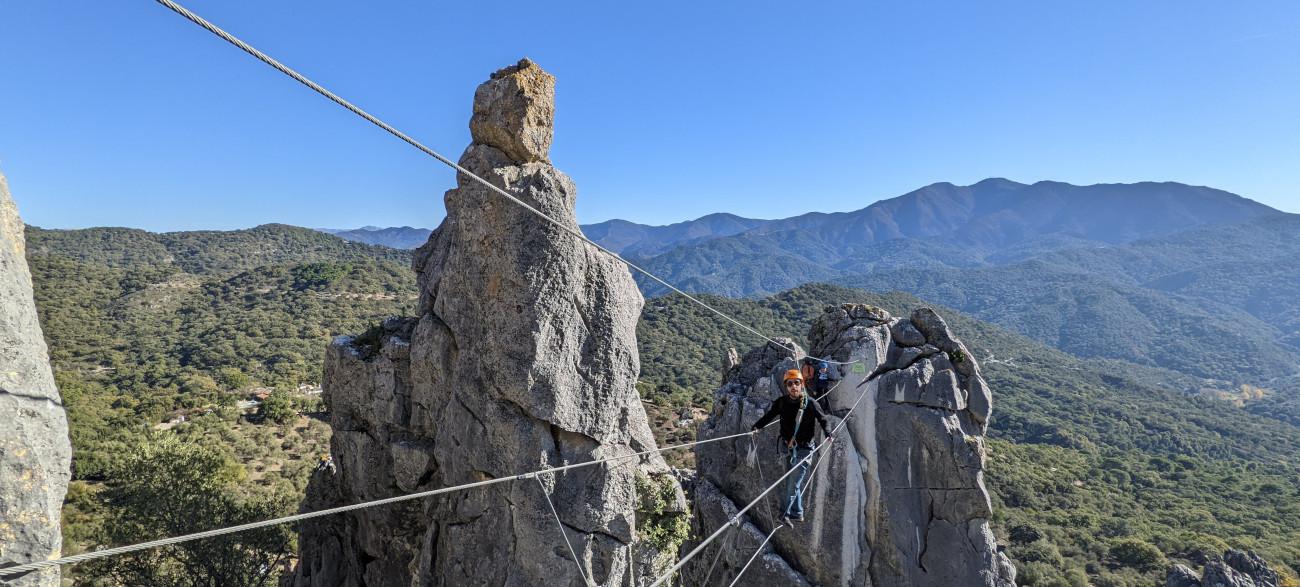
729 362
901 357
1235 569
733 548
523 356
35 455
937 333
979 400
514 111
1253 566
906 335
1219 574
1181 576
899 499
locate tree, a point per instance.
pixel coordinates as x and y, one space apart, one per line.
168 487
233 378
1138 554
278 407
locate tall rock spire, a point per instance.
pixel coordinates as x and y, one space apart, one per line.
899 499
35 454
523 356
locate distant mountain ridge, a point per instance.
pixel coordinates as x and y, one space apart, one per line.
1193 279
630 238
621 236
995 221
397 237
992 217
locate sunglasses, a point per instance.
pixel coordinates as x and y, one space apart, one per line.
793 383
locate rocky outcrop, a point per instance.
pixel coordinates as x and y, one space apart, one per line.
1235 569
35 455
898 500
523 356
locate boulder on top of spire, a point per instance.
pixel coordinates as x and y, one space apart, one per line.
514 111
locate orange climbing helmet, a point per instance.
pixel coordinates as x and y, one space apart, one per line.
792 374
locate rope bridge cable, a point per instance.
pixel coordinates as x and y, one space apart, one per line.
735 531
25 568
560 524
736 518
804 490
771 513
282 68
108 552
755 555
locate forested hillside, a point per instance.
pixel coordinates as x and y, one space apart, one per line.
1098 467
1196 281
1089 465
156 339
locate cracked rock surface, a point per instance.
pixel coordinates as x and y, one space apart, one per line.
1235 569
522 356
899 499
35 454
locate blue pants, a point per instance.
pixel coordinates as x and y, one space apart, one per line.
794 483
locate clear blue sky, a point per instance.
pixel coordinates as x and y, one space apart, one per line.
121 113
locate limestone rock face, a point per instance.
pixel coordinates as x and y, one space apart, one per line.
1235 569
35 454
1181 576
897 500
523 356
514 112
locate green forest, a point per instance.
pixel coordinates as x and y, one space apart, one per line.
1102 472
1098 477
155 339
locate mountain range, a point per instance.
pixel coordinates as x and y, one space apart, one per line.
1195 280
144 326
397 237
995 218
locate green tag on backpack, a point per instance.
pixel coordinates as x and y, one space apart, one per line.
859 368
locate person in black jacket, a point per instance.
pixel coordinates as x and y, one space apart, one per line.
797 412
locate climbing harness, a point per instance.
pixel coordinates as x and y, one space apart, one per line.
798 420
812 475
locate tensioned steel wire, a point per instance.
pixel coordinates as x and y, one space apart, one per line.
736 518
83 557
775 527
565 533
754 556
97 554
576 233
811 476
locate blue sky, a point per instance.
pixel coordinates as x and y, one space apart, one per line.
120 113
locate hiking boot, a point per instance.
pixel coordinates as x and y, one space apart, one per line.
798 518
787 521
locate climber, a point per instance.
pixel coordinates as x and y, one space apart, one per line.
326 463
817 374
797 435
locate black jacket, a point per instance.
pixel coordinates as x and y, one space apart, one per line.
788 409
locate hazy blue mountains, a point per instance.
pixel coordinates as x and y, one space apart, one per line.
995 221
397 237
1191 279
